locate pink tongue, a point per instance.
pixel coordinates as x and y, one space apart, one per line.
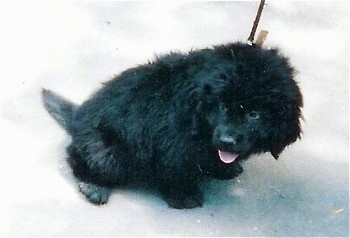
227 157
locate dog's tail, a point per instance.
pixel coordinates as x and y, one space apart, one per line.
59 108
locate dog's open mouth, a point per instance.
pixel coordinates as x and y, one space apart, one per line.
227 157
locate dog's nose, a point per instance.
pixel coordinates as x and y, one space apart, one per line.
231 139
227 139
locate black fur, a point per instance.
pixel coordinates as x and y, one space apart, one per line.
163 122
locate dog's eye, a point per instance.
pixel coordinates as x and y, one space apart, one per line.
222 76
254 115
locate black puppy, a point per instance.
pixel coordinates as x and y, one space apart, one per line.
184 116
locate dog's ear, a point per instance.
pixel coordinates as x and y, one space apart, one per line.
283 138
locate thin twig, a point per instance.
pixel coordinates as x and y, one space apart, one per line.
256 22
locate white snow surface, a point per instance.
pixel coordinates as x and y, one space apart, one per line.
72 47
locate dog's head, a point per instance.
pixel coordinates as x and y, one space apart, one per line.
251 102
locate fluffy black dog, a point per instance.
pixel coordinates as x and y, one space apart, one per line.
184 116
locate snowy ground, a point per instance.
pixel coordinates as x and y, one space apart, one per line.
71 47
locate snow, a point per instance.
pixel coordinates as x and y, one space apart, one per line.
71 47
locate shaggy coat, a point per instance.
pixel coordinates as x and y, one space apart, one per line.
170 122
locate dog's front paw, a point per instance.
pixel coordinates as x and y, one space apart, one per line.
227 172
95 194
234 171
186 202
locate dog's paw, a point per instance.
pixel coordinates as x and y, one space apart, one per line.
94 194
225 173
187 202
236 170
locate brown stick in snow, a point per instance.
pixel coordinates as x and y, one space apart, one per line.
256 22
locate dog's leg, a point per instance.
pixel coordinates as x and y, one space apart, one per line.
185 202
95 194
223 172
94 166
181 194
